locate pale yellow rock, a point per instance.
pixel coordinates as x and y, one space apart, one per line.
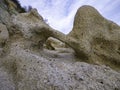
25 67
98 36
26 23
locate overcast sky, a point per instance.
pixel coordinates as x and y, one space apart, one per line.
60 13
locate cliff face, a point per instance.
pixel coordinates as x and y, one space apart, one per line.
27 63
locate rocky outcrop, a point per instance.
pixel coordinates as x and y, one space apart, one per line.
93 38
26 65
98 36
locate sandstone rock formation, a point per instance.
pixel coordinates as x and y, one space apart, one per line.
26 65
94 38
98 36
54 44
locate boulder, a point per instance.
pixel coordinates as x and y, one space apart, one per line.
98 36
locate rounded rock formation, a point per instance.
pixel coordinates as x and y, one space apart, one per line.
98 36
27 65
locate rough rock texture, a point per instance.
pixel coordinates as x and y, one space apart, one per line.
93 38
53 44
4 14
99 37
26 65
35 72
4 36
25 22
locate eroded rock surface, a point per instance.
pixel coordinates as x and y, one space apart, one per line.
26 65
98 36
53 44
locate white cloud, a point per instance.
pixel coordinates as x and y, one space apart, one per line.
60 13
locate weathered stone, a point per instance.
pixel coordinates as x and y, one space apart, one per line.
25 22
94 38
25 67
52 44
6 80
98 36
4 35
38 72
4 14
